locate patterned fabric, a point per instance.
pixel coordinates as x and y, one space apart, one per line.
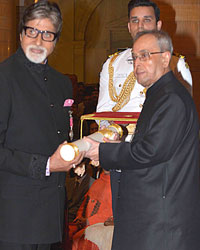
96 208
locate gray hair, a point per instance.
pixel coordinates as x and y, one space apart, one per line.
40 10
163 39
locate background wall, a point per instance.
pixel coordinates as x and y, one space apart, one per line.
7 28
93 29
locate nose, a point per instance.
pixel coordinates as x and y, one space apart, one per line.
136 64
38 40
140 25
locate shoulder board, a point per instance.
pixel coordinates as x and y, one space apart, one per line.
114 54
182 57
178 55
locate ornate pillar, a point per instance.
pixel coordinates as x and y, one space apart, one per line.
78 60
7 28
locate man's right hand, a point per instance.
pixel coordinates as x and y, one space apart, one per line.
57 164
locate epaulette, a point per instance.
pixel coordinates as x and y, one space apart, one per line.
114 54
181 57
178 55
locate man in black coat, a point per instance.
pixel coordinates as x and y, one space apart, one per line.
159 194
33 123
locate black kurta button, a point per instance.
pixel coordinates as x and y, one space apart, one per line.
58 132
45 78
51 105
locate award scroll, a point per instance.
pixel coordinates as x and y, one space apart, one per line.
70 150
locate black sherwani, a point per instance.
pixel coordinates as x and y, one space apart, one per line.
33 122
159 199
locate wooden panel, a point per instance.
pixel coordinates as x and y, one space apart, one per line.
7 28
187 39
119 39
196 90
187 12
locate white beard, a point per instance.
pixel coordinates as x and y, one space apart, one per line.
34 57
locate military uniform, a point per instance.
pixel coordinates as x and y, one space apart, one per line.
123 66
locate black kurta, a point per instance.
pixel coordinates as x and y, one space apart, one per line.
159 198
33 122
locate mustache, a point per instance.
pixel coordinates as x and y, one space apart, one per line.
37 47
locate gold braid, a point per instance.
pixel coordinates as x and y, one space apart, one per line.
124 96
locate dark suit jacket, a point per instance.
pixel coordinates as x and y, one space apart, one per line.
33 122
159 198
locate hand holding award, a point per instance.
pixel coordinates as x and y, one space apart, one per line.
70 150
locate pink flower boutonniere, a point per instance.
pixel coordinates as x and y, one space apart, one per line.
68 103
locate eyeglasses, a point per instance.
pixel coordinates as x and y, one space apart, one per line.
46 35
144 55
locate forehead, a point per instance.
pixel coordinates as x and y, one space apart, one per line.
146 42
42 24
142 11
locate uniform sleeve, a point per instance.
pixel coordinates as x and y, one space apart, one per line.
11 160
162 135
104 98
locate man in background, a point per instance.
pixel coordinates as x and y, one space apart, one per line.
33 123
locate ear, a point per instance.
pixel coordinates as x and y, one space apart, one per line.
20 37
159 25
129 28
166 57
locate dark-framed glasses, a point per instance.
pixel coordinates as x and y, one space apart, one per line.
144 55
46 35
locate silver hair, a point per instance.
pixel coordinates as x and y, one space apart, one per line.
163 39
40 10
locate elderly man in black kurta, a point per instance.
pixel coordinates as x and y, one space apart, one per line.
159 196
33 123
